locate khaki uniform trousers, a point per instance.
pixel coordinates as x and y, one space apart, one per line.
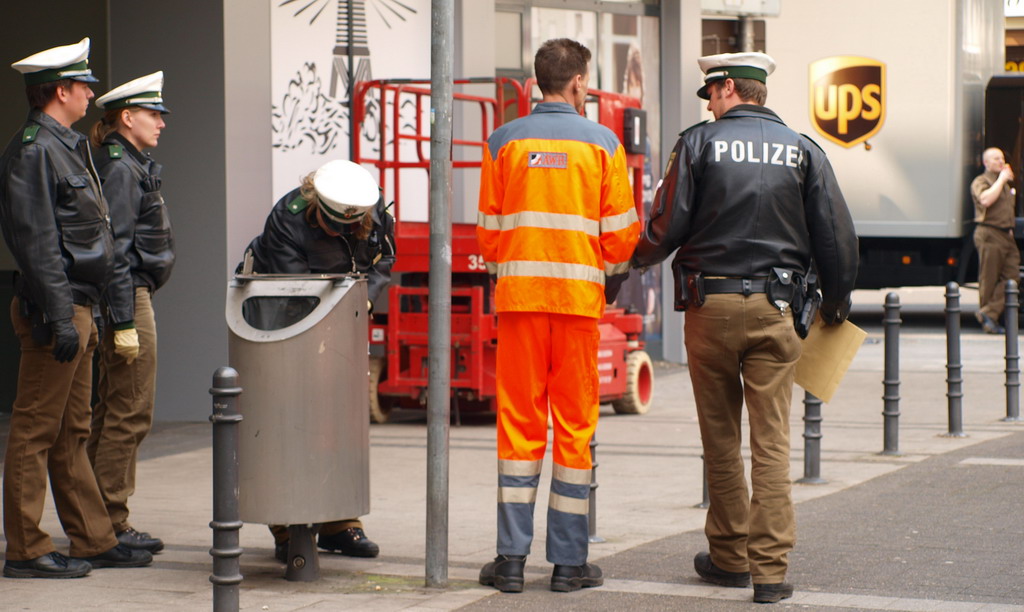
743 348
998 262
48 430
123 414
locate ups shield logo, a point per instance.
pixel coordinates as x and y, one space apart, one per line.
847 98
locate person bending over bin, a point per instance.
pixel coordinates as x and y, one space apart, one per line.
334 223
750 208
144 257
556 226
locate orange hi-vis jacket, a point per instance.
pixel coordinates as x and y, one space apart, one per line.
556 215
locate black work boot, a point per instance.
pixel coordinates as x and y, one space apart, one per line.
709 572
771 593
120 556
505 573
50 565
351 542
139 540
567 578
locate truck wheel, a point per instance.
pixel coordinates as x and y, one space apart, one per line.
639 385
379 409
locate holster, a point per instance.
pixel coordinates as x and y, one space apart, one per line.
689 288
803 317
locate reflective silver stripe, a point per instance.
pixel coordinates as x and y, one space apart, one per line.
569 505
518 495
156 100
612 269
508 467
551 269
543 220
570 475
74 73
619 222
488 222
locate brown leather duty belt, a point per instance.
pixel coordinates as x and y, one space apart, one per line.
745 286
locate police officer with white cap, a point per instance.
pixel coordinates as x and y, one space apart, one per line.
144 257
56 224
752 210
335 222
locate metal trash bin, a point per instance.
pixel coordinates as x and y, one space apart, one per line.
299 344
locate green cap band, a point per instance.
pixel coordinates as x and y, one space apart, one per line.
149 97
55 74
736 72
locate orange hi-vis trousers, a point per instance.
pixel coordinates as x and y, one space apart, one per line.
545 362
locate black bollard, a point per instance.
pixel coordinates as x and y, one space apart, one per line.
225 524
303 559
891 381
706 499
954 369
592 536
812 440
1010 314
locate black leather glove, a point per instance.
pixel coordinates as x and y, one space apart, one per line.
65 340
834 313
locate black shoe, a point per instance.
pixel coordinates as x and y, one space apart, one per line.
505 573
139 541
566 578
352 542
120 556
52 565
990 326
771 593
709 572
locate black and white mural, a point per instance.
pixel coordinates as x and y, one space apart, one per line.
317 46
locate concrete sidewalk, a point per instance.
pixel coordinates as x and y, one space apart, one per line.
855 530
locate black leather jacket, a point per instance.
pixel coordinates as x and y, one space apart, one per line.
744 194
54 218
291 244
143 242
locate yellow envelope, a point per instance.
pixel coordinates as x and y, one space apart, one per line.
828 352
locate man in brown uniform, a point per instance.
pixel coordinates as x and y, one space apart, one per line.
750 208
998 257
56 224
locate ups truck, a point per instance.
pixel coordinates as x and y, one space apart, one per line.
895 93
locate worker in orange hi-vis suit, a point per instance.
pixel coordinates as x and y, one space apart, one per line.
556 226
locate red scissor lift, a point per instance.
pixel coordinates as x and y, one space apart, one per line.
396 110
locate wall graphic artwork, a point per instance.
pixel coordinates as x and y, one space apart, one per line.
312 45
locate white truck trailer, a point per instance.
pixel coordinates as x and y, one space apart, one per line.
894 92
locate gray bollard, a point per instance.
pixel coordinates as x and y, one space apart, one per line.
812 440
592 536
706 499
891 381
225 524
1010 314
954 369
303 559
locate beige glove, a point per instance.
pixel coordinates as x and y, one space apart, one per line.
126 343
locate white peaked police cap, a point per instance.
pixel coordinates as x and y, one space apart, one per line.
751 65
67 62
144 92
346 190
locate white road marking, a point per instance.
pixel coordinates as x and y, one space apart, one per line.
992 461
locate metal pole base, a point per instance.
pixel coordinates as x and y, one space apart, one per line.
958 434
702 505
811 481
894 453
596 539
303 560
1012 419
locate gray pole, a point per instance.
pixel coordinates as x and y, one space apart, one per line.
891 379
746 33
1010 314
812 440
592 536
954 369
706 496
442 26
225 524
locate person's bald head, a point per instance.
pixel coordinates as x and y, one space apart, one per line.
993 159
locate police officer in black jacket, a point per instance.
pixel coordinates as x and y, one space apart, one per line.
56 224
144 258
752 209
335 222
